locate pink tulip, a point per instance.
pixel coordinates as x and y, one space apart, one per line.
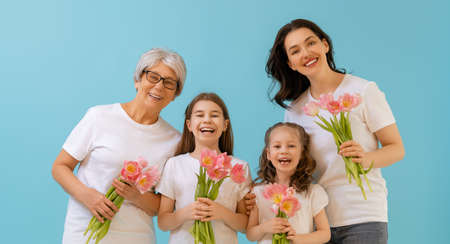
275 192
208 158
237 173
224 161
334 107
357 99
148 179
131 171
216 172
311 109
324 99
142 162
289 192
346 102
289 205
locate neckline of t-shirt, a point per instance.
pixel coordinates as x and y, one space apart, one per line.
136 124
344 80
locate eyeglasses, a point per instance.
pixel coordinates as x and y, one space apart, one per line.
154 78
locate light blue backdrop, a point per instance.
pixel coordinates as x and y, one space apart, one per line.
58 58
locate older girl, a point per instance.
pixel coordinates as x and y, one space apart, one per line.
207 126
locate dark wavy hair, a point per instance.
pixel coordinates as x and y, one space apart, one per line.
292 83
302 177
187 142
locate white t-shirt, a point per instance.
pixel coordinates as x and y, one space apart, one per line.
347 205
311 203
102 140
179 181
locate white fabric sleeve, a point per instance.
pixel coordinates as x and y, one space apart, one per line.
286 116
319 199
376 110
79 143
244 187
165 185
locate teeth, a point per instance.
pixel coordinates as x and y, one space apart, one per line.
155 96
311 62
207 130
284 161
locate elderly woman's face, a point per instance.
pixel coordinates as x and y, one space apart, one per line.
153 93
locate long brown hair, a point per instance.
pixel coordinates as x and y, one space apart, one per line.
302 177
292 84
187 143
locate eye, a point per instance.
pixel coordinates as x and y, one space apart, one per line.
311 43
198 115
292 146
295 52
276 146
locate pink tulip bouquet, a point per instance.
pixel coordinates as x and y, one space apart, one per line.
285 204
214 169
132 171
340 128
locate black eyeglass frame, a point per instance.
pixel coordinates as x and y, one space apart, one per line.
164 80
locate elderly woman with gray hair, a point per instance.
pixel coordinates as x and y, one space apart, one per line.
109 134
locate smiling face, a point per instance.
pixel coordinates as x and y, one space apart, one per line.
207 123
306 52
155 96
284 150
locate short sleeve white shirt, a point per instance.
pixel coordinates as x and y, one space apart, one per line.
311 203
179 182
347 205
102 140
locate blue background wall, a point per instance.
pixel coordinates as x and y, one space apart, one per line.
58 58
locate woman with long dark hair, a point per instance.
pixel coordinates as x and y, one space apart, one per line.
301 62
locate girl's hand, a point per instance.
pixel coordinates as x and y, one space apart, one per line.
353 149
250 202
276 225
291 234
194 211
99 205
127 190
212 210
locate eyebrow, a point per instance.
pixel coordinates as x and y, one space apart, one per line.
309 37
202 111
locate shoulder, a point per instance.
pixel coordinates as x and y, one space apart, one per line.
355 84
168 128
108 108
317 191
98 111
179 158
258 189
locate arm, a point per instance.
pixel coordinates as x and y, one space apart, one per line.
392 149
256 231
148 201
96 202
321 235
216 211
170 220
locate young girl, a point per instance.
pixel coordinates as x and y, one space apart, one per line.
285 160
301 62
207 126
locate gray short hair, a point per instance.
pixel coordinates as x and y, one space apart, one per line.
169 58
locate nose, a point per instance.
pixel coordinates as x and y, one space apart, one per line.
207 118
159 85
